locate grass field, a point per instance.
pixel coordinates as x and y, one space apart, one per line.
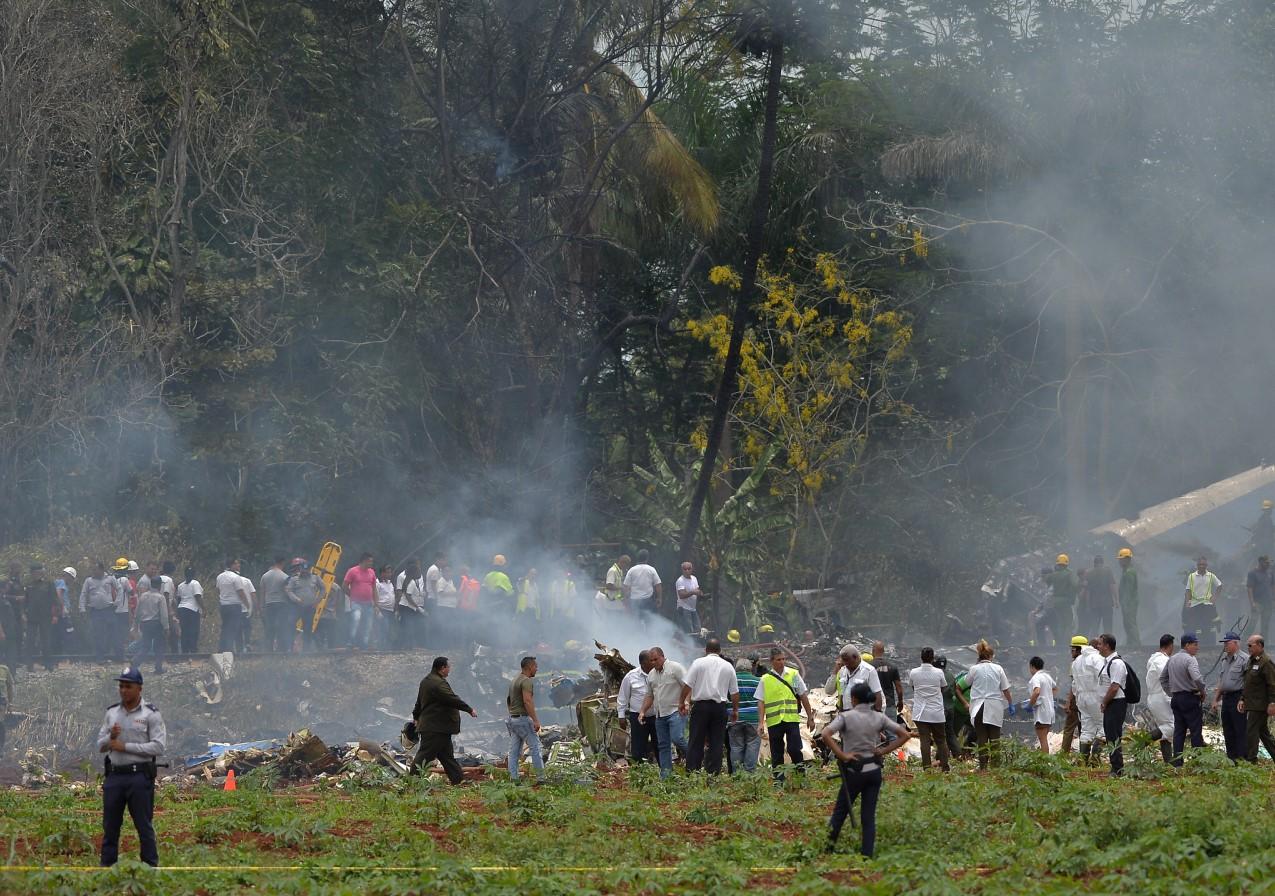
1039 825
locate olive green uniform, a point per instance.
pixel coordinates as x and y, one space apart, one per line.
1065 587
1129 606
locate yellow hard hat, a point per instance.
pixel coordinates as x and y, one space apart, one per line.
498 560
121 564
767 628
1063 560
1268 504
1124 554
1079 641
866 657
733 636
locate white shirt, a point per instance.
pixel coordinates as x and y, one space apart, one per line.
666 688
988 681
712 678
1044 705
864 673
186 594
384 596
927 693
1114 671
413 591
641 580
446 593
432 575
686 583
632 692
229 584
251 590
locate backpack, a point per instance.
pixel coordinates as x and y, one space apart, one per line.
1132 685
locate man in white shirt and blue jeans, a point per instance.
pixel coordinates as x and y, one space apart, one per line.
1112 679
688 595
664 701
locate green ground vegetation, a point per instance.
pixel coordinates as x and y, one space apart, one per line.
1037 822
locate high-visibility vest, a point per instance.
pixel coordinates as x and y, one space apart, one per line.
1208 596
781 702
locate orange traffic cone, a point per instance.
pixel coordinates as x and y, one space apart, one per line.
230 780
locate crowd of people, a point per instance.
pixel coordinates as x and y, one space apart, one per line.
130 611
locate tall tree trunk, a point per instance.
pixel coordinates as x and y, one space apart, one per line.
744 301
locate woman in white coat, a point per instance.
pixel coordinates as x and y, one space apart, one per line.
989 695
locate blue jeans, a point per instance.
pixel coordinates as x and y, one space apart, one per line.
669 730
745 745
360 623
521 731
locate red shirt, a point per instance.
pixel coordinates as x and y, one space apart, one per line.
468 593
360 584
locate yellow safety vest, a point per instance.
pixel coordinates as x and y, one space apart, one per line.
781 702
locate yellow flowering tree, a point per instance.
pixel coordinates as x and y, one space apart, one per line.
822 365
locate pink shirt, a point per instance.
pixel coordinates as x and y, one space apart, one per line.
360 584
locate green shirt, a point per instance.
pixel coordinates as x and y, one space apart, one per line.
521 688
1065 585
1129 586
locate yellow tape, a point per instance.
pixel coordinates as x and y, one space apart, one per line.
477 869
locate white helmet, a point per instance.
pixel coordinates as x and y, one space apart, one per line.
132 566
70 571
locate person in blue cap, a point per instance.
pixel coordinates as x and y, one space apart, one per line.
1182 681
133 738
1226 698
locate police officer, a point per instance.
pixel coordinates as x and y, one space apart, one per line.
132 737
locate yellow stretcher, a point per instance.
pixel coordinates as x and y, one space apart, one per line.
324 569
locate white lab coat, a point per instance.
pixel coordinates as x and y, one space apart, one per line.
1084 684
988 683
1157 700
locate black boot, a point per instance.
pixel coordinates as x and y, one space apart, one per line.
1166 751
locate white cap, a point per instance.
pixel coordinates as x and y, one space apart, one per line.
132 566
70 571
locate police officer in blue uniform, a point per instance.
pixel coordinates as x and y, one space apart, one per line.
133 738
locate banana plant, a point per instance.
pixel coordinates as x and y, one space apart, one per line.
736 532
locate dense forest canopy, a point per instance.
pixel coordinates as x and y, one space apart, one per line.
385 272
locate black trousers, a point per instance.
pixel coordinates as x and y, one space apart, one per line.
854 785
782 733
154 639
708 726
136 792
231 620
1113 728
1234 726
39 633
190 629
643 746
438 746
1258 729
11 647
1188 714
101 631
